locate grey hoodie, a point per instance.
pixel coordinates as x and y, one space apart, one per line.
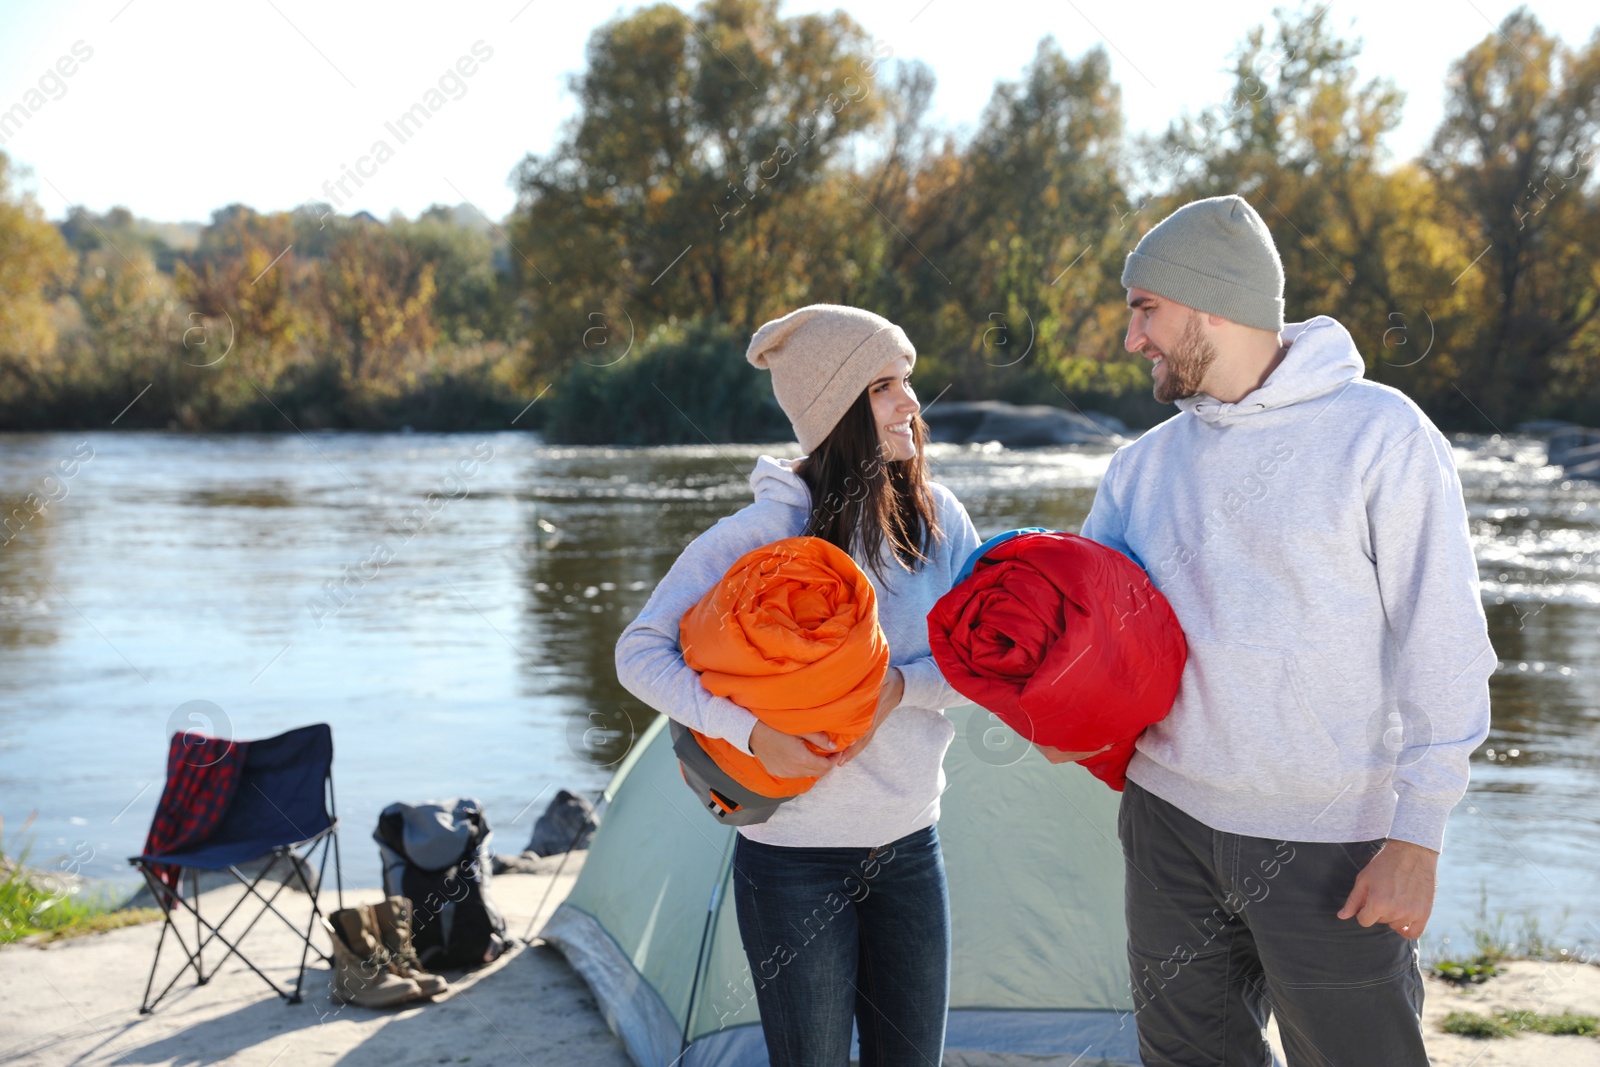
1312 540
891 787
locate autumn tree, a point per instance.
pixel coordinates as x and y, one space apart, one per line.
684 180
1515 156
253 299
1014 235
469 301
379 297
35 263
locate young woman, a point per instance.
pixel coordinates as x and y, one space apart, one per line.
840 895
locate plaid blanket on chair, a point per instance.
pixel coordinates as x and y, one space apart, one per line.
202 775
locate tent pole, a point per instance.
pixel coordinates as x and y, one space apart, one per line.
717 889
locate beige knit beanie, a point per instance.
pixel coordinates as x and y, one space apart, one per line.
822 357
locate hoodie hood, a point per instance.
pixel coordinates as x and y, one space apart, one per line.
775 479
1322 357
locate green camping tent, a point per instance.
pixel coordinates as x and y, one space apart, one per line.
1039 971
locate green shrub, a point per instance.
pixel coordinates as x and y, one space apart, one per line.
1512 1023
680 386
1565 1023
1471 1024
1465 972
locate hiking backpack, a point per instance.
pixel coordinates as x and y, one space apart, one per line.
436 855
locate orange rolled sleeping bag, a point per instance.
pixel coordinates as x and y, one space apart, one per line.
790 633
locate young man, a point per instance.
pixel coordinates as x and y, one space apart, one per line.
1282 826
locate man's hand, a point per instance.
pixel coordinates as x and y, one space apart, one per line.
1396 887
786 756
1056 755
894 688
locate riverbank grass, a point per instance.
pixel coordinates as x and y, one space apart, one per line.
45 906
1493 944
1512 1023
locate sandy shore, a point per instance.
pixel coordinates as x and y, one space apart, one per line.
76 1002
1547 988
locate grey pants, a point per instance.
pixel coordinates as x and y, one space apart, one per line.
1224 930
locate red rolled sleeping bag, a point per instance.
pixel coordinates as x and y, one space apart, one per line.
1066 641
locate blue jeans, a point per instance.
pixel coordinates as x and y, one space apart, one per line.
842 935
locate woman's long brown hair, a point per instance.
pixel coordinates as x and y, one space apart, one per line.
860 500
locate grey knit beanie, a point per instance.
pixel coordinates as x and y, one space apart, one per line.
822 357
1213 255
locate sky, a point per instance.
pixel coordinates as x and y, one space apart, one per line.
175 109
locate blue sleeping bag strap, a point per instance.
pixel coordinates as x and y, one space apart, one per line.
977 553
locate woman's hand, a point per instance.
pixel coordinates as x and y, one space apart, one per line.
1056 755
786 756
889 697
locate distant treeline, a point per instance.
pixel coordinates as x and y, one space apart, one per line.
728 165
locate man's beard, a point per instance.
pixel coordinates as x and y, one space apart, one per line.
1186 363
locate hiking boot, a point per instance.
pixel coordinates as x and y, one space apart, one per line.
361 973
394 923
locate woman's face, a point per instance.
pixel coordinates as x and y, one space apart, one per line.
894 404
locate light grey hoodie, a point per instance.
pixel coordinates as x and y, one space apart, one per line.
1312 540
891 787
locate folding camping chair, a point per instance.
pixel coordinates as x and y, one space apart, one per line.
282 808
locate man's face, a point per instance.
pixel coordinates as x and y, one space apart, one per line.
1171 336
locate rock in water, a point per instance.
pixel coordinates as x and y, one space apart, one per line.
522 863
1569 446
1577 458
1589 469
567 824
1014 426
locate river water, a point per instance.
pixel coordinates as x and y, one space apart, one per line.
177 581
